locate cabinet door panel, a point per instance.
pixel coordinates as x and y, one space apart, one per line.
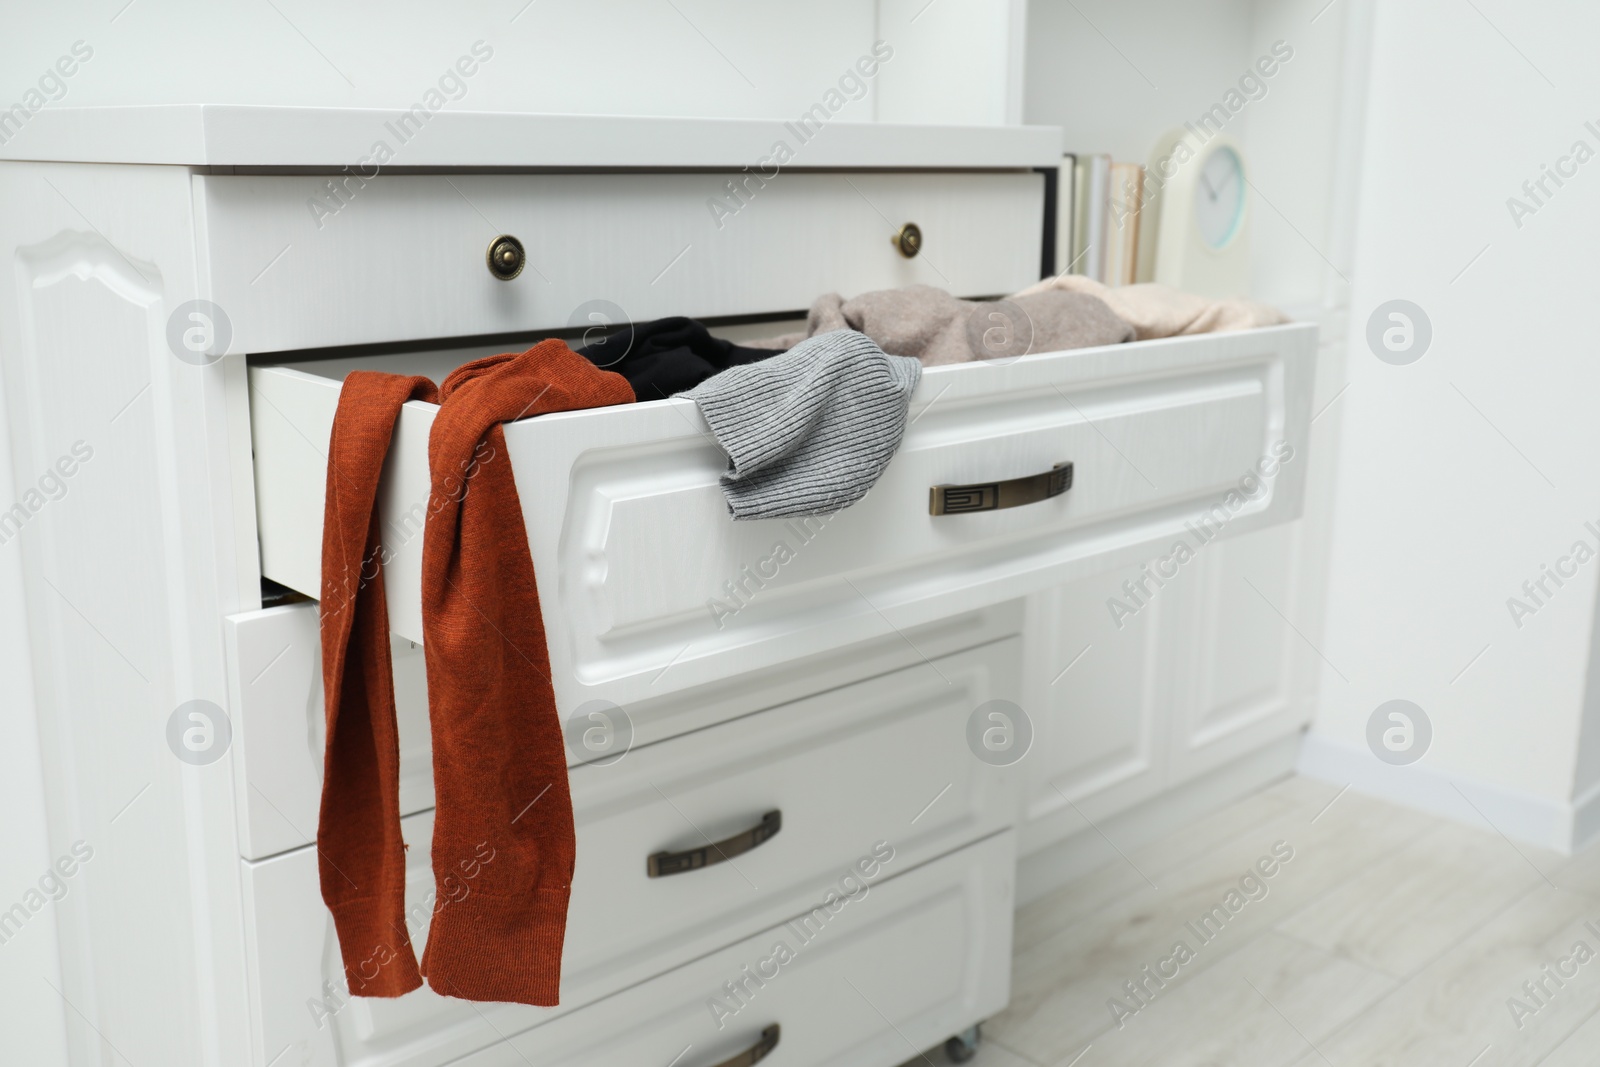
1232 629
1180 679
1095 690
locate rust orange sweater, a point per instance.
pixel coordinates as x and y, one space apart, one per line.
503 842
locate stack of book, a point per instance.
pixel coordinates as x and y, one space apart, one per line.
1097 220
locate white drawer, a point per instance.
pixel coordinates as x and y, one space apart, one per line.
921 957
280 726
632 542
883 760
405 257
275 700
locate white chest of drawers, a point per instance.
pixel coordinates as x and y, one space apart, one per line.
840 696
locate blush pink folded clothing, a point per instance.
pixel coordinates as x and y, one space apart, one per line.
934 327
1162 311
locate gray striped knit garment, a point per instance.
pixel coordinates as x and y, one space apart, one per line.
810 431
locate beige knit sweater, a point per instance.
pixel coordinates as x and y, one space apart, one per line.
1161 311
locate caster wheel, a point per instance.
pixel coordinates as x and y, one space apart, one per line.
963 1046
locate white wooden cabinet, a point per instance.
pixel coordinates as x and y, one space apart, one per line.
1100 697
843 695
1235 651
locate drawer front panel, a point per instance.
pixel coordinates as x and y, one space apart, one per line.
1133 450
921 957
404 256
930 949
275 682
828 764
659 590
280 727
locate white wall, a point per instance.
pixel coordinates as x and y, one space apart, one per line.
636 57
605 56
1461 474
964 61
1096 69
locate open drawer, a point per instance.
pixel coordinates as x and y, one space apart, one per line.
648 586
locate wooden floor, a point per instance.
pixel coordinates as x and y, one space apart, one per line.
1389 938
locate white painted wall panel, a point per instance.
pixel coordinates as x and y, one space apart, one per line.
690 57
1463 473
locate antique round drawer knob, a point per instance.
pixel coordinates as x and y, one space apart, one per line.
506 257
908 240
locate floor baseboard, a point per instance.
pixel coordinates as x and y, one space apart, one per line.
1534 820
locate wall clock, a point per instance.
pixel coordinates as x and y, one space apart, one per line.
1200 240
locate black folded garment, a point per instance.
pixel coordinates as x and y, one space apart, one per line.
667 356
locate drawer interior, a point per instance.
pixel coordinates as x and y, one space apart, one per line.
437 362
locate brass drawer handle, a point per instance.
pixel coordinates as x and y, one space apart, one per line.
992 496
756 1052
506 257
692 859
908 241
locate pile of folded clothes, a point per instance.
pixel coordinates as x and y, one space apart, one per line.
673 355
809 431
